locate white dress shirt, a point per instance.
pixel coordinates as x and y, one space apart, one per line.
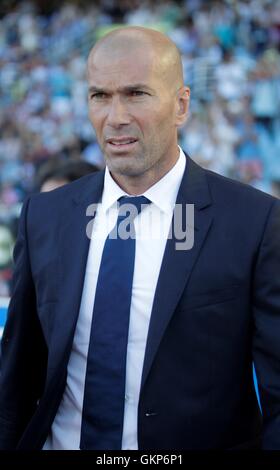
151 228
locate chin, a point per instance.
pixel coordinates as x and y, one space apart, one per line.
125 171
123 167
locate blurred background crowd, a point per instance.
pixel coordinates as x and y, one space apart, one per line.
230 52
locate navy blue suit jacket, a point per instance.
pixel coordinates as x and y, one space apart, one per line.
216 309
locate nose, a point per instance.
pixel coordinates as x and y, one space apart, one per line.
117 114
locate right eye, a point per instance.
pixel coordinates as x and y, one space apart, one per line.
98 95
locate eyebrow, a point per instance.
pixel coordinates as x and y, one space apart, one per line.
125 89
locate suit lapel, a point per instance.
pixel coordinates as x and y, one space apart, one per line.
73 246
177 265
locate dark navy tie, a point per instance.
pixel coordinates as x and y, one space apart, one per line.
104 394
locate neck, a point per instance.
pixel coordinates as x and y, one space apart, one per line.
136 185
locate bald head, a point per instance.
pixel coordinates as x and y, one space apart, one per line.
138 40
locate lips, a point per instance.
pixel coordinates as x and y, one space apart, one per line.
118 141
121 145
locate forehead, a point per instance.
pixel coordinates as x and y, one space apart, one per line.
115 67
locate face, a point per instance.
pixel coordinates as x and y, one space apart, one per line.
134 112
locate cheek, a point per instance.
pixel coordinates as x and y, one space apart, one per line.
160 123
91 115
95 119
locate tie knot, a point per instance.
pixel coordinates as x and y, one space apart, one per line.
131 202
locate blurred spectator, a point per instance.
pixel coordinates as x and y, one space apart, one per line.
54 174
6 247
266 90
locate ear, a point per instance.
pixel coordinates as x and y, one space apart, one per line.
183 98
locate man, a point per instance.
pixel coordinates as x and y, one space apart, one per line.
197 316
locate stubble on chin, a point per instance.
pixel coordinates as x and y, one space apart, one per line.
125 166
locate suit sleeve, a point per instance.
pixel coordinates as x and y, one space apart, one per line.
266 338
23 350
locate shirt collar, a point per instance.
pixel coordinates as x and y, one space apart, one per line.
163 193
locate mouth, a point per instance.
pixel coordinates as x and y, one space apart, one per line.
121 144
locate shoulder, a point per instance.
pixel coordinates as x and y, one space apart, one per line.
233 204
229 193
55 201
76 189
44 212
242 210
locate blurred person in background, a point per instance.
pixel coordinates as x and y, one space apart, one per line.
133 342
6 247
54 174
